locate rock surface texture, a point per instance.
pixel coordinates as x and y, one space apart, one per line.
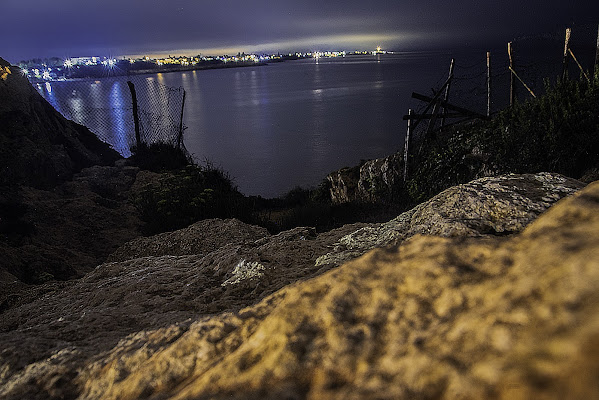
495 205
66 232
190 315
371 182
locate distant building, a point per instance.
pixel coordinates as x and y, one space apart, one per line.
83 61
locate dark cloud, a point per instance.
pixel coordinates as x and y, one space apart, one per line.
40 28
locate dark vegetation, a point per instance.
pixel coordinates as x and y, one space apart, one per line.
188 192
158 157
187 195
558 132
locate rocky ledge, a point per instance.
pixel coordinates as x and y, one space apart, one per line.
498 308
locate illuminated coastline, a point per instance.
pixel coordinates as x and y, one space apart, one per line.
56 69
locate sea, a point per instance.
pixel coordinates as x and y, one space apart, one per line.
279 126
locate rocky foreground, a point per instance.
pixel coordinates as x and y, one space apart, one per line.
492 306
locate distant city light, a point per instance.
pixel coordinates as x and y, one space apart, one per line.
72 67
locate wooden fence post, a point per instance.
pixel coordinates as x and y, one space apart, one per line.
579 66
597 57
566 48
135 115
180 137
510 53
446 95
406 146
488 83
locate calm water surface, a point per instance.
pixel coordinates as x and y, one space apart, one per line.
278 126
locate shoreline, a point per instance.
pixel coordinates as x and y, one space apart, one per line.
160 70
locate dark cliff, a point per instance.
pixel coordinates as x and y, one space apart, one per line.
38 146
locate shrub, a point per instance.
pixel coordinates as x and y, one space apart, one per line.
558 132
190 194
160 157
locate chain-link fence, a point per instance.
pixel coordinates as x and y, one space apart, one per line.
105 107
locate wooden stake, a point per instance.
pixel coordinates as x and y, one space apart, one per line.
510 53
433 119
597 57
406 147
521 81
579 66
415 117
448 106
488 83
135 115
566 48
446 95
431 102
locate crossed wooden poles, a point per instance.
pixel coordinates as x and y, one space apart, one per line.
441 108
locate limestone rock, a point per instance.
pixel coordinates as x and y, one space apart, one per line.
202 238
343 185
81 319
379 178
496 205
371 182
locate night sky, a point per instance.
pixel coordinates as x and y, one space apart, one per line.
75 28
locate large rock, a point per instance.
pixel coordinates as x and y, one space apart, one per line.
371 182
496 205
435 317
38 146
201 238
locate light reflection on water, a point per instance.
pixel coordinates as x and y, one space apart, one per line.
271 127
119 114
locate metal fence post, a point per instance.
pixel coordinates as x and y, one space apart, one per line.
180 137
135 114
